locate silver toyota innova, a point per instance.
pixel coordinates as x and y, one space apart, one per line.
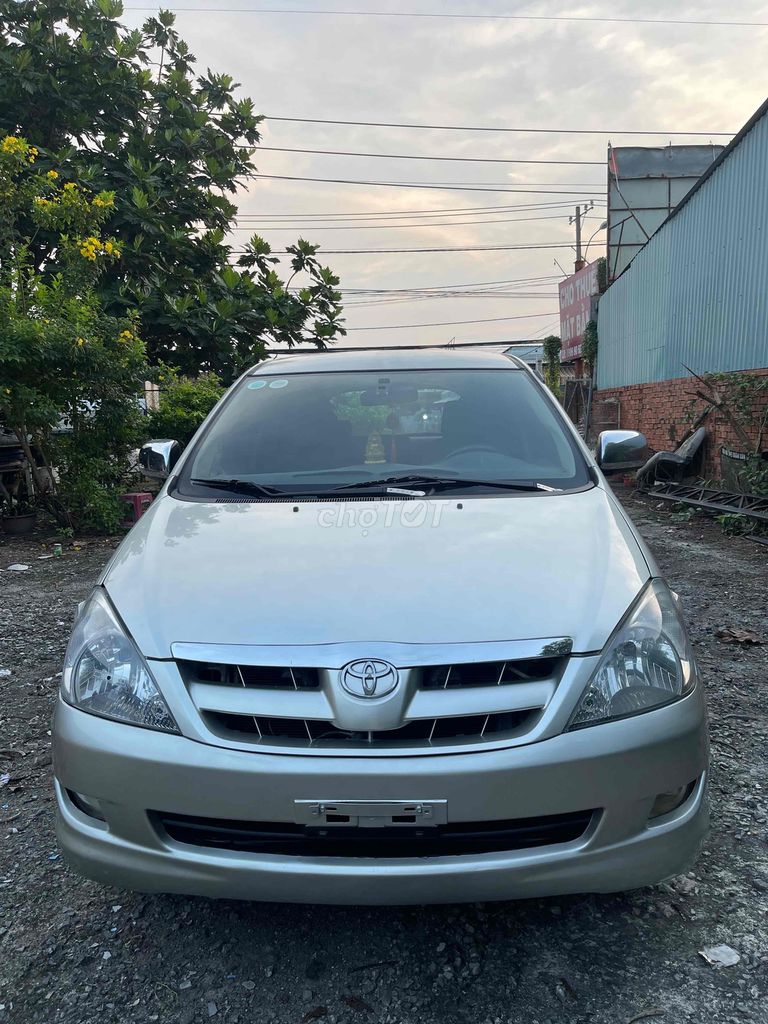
384 636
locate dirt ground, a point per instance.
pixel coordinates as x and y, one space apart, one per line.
72 951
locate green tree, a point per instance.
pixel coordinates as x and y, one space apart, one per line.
70 374
589 346
552 347
184 404
124 111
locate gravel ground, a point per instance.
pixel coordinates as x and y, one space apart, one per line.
72 951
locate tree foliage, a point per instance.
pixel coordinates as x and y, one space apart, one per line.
184 404
70 373
589 346
124 111
552 347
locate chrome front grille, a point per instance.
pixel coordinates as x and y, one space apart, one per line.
321 734
437 704
264 677
486 673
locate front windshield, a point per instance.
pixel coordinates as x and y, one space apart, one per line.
313 432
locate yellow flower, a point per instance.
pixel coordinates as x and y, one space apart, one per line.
70 185
53 175
116 253
108 247
98 202
80 342
39 201
14 145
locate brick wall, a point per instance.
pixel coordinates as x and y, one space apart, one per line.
659 410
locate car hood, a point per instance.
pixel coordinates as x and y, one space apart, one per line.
441 571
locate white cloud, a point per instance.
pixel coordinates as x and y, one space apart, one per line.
612 77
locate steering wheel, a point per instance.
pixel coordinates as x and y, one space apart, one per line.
474 448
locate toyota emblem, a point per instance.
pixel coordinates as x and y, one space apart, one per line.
369 677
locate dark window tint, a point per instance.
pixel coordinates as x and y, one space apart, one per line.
316 431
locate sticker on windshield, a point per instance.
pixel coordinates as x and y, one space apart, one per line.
278 383
257 385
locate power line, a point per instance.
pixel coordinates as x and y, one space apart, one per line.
412 226
457 248
509 292
451 323
438 212
395 300
486 128
368 304
460 17
406 215
411 184
475 284
491 343
411 156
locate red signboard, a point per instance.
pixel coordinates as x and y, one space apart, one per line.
576 294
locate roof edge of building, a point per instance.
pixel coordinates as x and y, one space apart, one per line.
735 142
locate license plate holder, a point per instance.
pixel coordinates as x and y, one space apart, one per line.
371 813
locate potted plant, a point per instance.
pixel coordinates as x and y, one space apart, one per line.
19 514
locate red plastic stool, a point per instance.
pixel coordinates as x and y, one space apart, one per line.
138 503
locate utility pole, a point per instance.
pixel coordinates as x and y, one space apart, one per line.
578 219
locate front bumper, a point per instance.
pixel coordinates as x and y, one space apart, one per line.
619 768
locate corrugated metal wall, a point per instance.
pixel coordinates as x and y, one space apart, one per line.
697 294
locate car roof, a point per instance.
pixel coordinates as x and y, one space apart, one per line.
328 361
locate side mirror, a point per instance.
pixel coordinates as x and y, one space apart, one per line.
157 458
621 449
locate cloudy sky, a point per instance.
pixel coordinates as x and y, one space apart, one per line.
611 77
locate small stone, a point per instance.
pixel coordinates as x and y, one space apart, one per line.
306 995
212 1009
185 984
249 986
720 956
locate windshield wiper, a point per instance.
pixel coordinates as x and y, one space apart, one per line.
443 483
241 487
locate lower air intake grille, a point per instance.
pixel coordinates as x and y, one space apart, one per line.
463 838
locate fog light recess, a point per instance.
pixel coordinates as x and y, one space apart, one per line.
667 802
86 804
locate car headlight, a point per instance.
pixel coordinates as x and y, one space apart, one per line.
105 675
646 663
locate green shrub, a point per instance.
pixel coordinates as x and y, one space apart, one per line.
589 346
62 358
184 404
552 347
